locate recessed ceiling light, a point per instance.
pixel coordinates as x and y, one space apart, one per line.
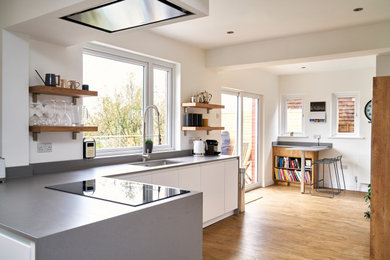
358 9
230 32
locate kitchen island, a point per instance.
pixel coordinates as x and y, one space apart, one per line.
50 224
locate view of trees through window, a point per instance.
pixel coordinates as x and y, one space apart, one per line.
118 109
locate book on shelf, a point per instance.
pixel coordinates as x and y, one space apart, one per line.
292 163
291 175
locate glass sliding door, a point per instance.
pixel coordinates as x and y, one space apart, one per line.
250 139
229 120
241 120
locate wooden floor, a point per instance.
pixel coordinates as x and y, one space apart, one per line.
285 224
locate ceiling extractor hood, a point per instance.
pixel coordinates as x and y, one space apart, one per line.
126 14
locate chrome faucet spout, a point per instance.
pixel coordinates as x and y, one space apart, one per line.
146 154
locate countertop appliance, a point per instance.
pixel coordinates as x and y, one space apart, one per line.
211 147
199 148
119 191
89 148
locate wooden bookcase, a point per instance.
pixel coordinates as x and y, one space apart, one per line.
294 155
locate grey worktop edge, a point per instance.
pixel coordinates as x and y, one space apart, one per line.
290 144
72 165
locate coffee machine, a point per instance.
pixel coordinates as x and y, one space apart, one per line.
211 147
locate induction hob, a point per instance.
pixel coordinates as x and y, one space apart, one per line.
119 191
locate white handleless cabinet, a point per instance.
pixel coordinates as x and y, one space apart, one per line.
167 177
14 247
231 185
212 183
189 178
137 177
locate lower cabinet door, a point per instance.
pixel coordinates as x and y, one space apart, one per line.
231 185
142 177
189 178
13 247
166 178
212 186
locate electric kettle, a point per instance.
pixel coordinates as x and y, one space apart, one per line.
199 148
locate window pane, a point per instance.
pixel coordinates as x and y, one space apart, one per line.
346 115
117 111
294 115
160 99
249 139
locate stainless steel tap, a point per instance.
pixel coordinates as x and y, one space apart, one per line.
145 154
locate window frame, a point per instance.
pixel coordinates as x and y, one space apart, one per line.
149 63
335 111
283 115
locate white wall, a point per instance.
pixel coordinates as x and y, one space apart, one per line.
14 101
319 87
265 84
383 65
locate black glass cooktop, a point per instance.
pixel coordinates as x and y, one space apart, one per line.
119 191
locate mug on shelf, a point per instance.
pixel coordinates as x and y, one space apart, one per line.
73 84
64 83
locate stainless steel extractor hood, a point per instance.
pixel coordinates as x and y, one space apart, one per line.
126 14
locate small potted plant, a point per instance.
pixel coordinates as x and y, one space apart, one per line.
148 146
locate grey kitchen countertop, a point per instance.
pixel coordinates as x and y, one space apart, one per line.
303 145
29 209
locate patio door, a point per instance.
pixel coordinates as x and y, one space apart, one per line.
242 131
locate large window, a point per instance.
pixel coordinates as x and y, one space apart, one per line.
127 84
292 115
345 115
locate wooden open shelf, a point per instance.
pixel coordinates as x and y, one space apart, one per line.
75 93
74 129
201 128
202 105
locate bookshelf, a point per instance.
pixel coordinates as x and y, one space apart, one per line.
287 166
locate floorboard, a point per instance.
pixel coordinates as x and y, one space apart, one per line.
285 224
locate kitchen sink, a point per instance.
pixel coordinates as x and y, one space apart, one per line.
155 163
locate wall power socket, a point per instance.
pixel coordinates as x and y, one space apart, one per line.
317 136
44 148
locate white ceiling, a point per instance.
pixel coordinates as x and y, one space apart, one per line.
325 65
253 20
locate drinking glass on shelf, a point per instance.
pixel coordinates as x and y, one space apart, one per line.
79 115
34 118
65 117
45 120
55 118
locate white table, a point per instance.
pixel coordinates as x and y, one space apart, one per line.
303 149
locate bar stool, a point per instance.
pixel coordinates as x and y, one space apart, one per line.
338 161
330 163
